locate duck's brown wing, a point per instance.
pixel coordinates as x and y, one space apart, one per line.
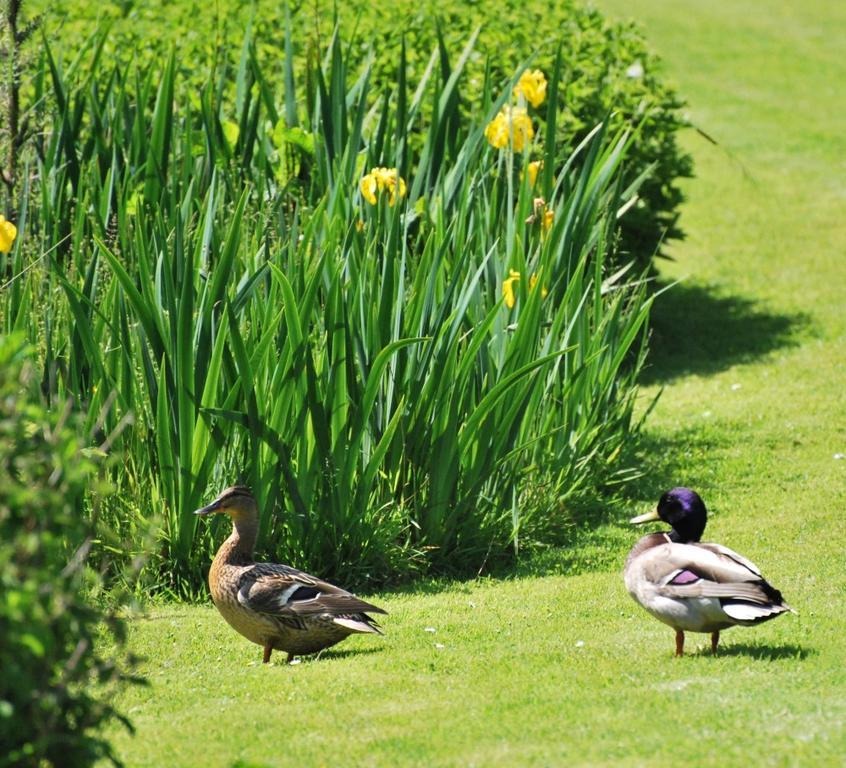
729 555
667 564
282 591
692 571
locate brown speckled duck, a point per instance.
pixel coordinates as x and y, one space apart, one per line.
276 606
691 585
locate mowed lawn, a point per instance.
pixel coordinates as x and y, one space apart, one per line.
557 666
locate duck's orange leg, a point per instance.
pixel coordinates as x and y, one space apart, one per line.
679 643
715 639
268 649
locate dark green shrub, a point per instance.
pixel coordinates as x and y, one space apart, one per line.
56 672
608 69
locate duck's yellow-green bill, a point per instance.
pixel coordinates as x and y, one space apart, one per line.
645 518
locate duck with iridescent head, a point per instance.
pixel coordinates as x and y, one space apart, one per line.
694 586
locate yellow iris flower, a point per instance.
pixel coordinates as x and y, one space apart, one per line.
8 233
512 125
508 287
533 281
533 169
380 180
541 214
368 188
532 87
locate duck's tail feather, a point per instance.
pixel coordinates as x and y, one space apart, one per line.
360 623
751 613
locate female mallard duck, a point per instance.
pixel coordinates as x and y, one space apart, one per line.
691 586
273 605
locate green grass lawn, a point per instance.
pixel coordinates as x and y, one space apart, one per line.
557 666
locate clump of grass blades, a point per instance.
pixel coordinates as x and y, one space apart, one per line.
213 274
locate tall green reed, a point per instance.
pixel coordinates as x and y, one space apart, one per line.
213 273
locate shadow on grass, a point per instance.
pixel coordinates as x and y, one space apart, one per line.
762 652
667 459
695 330
597 535
332 654
429 585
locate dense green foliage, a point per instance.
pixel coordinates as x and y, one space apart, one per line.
211 269
608 71
57 679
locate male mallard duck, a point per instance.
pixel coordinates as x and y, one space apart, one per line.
274 605
691 586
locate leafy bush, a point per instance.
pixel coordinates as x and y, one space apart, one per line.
608 71
57 674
